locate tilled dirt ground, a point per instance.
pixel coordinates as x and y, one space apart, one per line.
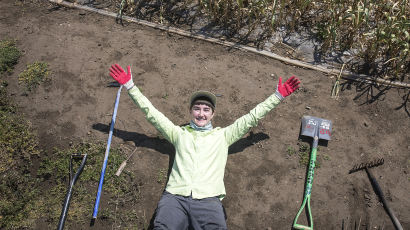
264 180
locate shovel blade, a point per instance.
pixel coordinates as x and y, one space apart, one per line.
314 126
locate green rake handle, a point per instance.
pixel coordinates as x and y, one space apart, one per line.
306 199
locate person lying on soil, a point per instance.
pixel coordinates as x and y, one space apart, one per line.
195 188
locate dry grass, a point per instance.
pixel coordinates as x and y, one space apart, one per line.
377 32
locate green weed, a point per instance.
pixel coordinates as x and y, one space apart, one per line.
304 155
34 74
56 169
9 55
290 150
28 195
18 144
5 104
17 140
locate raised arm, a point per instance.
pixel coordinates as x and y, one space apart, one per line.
156 118
242 125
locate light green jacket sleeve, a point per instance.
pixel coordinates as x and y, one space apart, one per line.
242 125
155 117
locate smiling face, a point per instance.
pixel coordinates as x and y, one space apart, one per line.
201 114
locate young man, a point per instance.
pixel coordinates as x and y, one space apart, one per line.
195 188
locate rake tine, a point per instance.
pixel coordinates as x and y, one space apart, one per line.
370 164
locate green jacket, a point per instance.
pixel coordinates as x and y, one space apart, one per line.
200 157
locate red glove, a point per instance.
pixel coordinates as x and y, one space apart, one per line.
290 86
118 73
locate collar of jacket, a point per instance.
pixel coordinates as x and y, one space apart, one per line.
207 127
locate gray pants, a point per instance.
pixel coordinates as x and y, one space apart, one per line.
176 212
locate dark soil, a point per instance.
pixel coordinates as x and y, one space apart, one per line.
264 183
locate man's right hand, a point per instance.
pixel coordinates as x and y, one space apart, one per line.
122 77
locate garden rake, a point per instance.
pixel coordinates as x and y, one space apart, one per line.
318 129
376 187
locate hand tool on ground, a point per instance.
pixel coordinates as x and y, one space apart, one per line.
124 163
317 128
70 187
107 151
376 187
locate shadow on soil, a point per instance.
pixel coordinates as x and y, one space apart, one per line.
370 93
163 146
406 98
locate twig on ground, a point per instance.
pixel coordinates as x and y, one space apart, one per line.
336 86
124 163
